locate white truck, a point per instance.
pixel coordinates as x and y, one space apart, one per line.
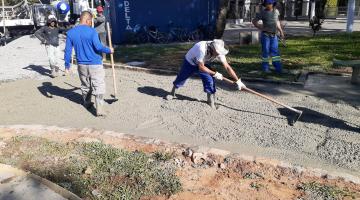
24 17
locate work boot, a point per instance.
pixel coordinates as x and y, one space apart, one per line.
87 100
211 100
99 102
172 94
53 73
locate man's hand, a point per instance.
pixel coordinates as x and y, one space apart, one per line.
218 76
282 36
240 84
111 50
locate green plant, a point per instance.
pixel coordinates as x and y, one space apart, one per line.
114 174
316 190
163 156
256 185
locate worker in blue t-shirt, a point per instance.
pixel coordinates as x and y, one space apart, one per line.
88 49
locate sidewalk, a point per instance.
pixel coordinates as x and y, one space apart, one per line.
292 28
16 184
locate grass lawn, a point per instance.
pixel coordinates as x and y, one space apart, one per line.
95 170
302 53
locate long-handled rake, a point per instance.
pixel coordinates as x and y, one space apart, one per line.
298 112
112 66
282 40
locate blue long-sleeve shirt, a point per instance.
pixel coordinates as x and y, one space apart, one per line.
87 45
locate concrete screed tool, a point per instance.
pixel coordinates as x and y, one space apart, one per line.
298 112
112 66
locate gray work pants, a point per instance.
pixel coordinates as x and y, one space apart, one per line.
92 79
53 55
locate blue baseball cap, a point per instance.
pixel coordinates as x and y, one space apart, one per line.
269 2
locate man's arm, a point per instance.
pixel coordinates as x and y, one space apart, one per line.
230 70
99 46
99 20
232 73
67 54
63 30
203 68
256 24
256 20
40 35
279 28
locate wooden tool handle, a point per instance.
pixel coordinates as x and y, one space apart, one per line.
111 58
264 96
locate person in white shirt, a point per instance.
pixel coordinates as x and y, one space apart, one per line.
84 6
197 60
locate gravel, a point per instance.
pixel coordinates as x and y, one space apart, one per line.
326 136
25 57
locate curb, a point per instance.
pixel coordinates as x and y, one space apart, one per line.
172 72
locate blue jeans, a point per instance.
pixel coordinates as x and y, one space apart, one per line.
187 70
269 44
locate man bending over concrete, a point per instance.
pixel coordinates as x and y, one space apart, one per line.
88 49
197 60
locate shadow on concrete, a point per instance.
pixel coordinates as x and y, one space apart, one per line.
333 89
315 117
246 111
39 69
49 90
159 92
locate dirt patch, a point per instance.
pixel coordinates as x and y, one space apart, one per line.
217 175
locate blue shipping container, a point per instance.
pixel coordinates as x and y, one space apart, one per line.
131 16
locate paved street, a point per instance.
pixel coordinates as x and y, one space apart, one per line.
292 28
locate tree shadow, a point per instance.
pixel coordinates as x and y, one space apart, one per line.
39 69
315 117
48 90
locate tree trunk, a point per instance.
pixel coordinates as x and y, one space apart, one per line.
221 20
350 16
237 10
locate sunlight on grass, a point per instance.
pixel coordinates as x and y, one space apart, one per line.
302 53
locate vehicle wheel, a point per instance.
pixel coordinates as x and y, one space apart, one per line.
161 38
142 38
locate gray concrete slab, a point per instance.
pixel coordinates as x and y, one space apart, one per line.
334 88
19 185
292 28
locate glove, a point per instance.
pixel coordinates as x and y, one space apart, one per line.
218 76
240 84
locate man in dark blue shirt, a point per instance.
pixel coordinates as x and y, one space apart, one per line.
88 49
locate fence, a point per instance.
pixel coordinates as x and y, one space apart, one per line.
333 12
289 10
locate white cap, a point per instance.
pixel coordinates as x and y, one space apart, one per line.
219 47
52 17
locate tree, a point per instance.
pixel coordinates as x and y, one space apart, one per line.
221 21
